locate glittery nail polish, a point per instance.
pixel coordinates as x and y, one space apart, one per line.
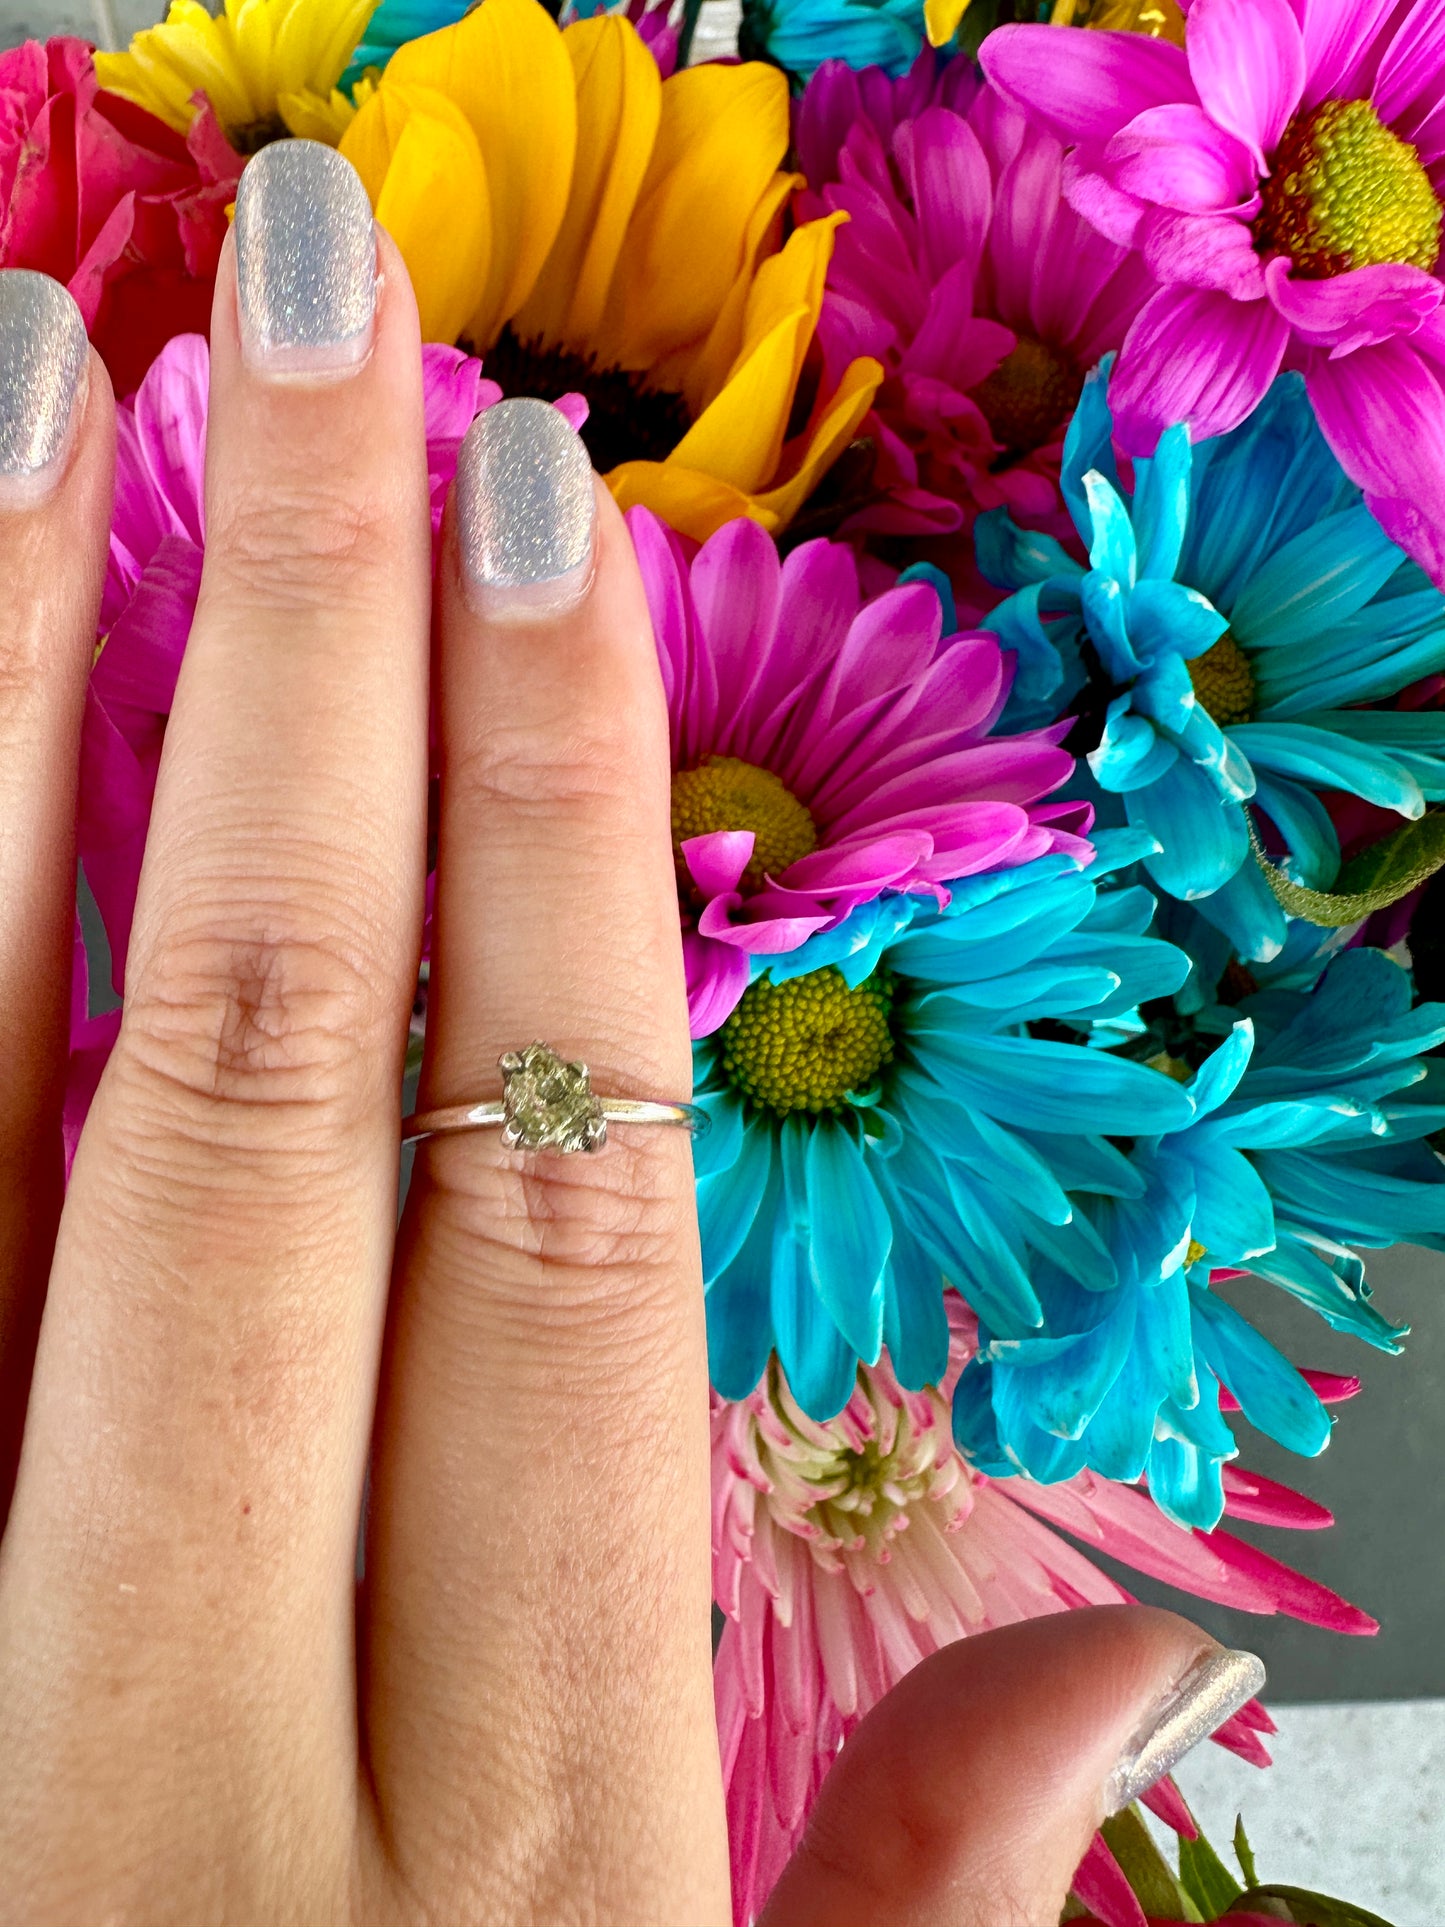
44 360
305 263
1213 1689
525 511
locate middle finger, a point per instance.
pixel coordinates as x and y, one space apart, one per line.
192 1469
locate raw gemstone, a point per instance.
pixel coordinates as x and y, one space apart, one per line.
549 1104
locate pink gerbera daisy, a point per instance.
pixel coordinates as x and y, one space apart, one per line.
1281 175
965 273
827 746
846 1552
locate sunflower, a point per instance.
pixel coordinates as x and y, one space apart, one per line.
585 224
268 67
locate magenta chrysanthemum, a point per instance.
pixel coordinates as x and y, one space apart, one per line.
962 269
844 1553
827 747
1282 176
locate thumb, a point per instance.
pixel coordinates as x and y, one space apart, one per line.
969 1794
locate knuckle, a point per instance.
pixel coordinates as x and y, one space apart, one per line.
291 540
256 1017
531 770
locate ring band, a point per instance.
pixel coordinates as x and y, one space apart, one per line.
548 1104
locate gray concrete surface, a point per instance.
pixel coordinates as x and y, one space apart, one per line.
24 19
1352 1806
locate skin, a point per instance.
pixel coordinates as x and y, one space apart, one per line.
204 1718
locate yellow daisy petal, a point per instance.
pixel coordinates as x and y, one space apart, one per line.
416 152
722 134
505 67
941 18
245 60
619 103
310 118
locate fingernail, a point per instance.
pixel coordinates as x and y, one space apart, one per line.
525 511
1213 1689
305 263
44 359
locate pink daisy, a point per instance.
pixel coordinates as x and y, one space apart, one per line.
157 546
846 1552
827 746
1281 175
963 270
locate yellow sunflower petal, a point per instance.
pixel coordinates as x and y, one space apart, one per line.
823 441
722 133
416 152
313 44
700 374
619 102
739 435
692 503
505 67
941 18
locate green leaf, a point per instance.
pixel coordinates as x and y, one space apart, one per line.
1205 1878
1243 1852
1312 1910
1371 881
1145 1868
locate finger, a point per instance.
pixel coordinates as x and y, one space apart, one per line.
968 1796
57 459
540 1691
205 1378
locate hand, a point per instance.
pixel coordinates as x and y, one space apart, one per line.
204 1716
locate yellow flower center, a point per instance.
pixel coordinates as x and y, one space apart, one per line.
806 1044
725 793
1195 1252
1345 192
1174 1067
1029 396
1224 682
627 421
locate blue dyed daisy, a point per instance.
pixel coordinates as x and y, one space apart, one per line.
1304 1142
914 1095
800 35
393 24
1237 609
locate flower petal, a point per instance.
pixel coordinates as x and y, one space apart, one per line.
1247 58
1178 157
1084 86
1194 356
1354 310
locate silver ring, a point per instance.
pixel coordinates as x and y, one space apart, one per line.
548 1104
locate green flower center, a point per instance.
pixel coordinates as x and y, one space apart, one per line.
869 1492
806 1044
725 793
1224 682
1344 192
1029 396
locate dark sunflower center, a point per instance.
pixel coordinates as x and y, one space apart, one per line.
627 421
1344 192
804 1045
725 793
1224 682
256 134
1029 396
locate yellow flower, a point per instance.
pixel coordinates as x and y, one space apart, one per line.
268 67
1160 19
582 223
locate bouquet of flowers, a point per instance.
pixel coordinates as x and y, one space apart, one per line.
1032 432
